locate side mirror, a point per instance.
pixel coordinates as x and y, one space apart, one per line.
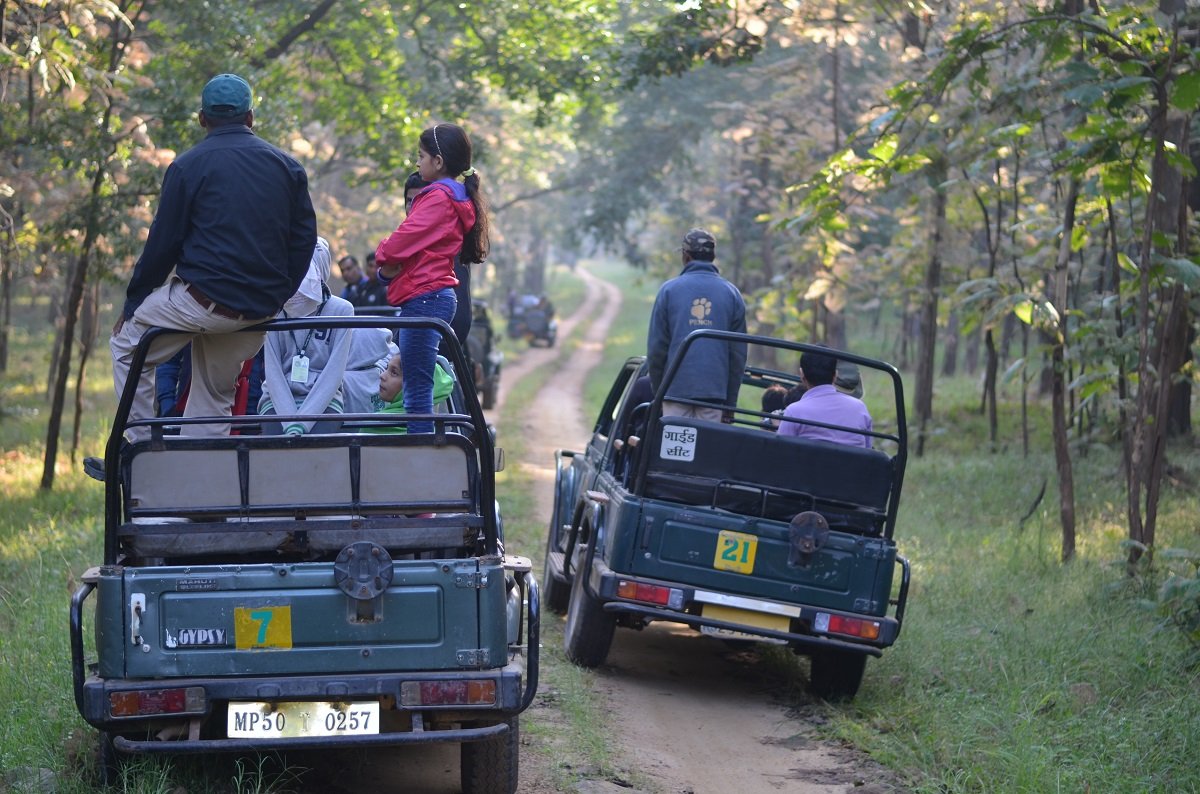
499 461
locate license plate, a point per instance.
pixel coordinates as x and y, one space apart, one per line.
735 552
307 718
743 617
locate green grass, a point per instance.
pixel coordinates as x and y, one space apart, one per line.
1017 673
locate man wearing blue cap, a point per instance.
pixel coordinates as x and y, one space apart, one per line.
708 379
236 225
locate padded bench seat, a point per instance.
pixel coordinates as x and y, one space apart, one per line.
254 493
757 472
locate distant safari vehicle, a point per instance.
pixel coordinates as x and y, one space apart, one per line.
263 593
730 528
532 319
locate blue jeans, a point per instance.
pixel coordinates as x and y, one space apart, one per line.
418 352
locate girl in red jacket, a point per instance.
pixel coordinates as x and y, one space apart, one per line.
416 262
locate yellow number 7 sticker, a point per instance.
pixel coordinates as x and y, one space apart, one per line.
262 627
735 552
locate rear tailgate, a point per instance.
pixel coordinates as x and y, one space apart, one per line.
726 553
280 619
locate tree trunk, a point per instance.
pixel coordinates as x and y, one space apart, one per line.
8 256
1062 450
971 354
1148 445
950 354
923 395
89 328
989 387
1025 378
1046 373
1179 352
74 299
992 362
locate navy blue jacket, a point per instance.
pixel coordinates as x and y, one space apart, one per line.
235 220
697 298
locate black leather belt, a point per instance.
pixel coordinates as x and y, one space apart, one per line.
212 305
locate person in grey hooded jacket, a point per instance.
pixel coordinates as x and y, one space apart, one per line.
699 297
303 369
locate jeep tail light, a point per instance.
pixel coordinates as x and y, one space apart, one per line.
650 593
851 627
448 693
148 702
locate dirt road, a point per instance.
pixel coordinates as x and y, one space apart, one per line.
689 713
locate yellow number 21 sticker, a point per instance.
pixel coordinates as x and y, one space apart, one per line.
735 552
262 627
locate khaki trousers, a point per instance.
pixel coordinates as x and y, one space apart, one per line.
672 408
217 356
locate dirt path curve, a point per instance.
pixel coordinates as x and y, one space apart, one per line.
691 713
555 419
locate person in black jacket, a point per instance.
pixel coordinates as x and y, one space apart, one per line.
235 223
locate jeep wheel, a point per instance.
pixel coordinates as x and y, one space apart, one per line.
487 395
556 595
836 675
491 766
589 631
109 761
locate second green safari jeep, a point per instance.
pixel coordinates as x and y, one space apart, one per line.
731 528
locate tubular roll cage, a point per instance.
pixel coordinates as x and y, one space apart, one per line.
899 460
473 423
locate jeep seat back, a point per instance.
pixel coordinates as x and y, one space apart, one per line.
757 472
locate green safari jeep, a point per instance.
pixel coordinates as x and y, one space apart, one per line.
265 592
729 527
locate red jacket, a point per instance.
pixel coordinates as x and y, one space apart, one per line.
426 243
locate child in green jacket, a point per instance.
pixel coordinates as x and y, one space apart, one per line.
390 399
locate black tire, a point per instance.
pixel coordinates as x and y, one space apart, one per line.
108 761
492 766
556 595
836 675
487 396
589 631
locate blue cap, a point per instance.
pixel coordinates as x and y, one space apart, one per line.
225 96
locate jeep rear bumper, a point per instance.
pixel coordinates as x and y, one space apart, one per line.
185 746
604 582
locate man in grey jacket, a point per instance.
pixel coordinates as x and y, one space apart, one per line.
697 298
